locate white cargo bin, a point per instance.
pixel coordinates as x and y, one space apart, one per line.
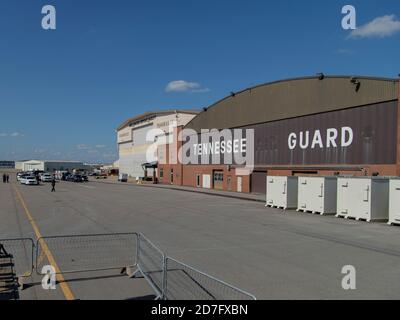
394 201
363 198
282 192
317 195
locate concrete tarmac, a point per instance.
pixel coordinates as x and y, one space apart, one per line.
270 253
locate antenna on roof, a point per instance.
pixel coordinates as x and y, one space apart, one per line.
356 82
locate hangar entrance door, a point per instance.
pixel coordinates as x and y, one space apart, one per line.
206 181
259 182
239 184
218 180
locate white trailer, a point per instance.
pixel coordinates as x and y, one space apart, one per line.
282 192
317 195
364 199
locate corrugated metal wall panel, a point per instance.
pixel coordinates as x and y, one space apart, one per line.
375 138
139 135
374 130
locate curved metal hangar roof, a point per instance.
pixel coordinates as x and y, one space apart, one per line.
294 98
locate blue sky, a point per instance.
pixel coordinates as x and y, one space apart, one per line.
63 92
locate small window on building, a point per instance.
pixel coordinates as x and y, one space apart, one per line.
172 175
161 173
198 180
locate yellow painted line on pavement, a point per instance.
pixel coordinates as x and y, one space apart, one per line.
63 285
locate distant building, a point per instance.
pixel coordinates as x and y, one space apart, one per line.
19 165
133 143
114 165
7 164
50 166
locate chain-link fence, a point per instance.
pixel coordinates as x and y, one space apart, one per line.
81 253
187 283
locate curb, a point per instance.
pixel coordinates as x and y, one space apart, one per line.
183 190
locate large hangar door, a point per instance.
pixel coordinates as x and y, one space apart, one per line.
259 182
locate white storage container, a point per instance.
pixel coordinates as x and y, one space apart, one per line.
317 195
363 198
394 201
282 192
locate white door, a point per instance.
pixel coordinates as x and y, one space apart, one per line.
317 186
271 191
394 202
303 201
239 184
343 198
354 197
277 191
311 194
360 189
206 181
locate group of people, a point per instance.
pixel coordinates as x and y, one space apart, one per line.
6 178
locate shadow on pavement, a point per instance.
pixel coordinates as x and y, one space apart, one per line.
8 279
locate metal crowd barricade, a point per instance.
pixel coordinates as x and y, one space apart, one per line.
86 253
169 278
184 282
22 252
151 264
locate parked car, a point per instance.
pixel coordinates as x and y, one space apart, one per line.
46 177
22 176
30 181
123 177
75 178
19 175
85 178
66 176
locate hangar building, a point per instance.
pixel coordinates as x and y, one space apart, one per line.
322 125
134 143
51 166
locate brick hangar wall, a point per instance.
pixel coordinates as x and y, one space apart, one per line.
190 173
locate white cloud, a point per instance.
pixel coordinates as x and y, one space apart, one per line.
16 134
12 135
185 86
40 151
101 146
380 27
82 147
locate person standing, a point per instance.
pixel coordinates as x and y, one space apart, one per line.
8 178
4 178
53 185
